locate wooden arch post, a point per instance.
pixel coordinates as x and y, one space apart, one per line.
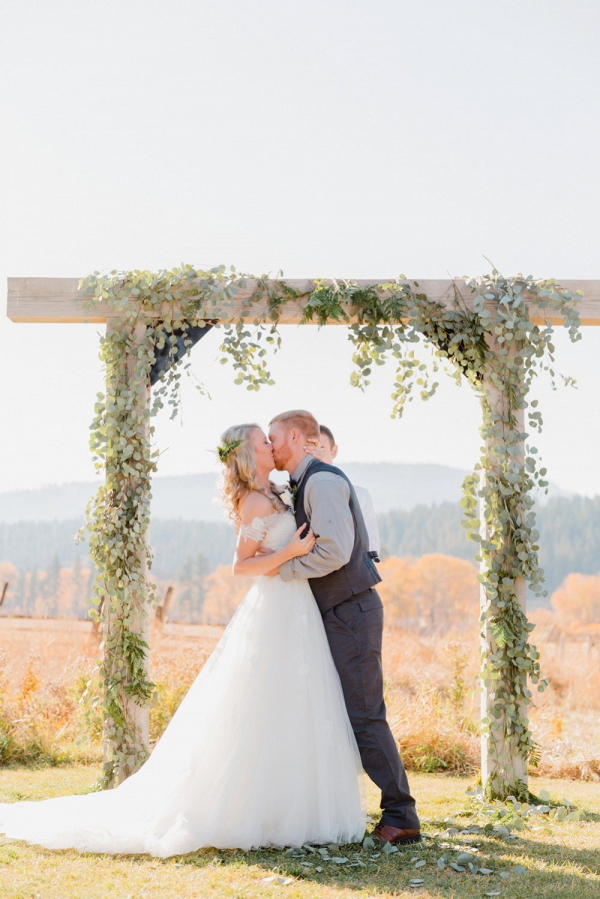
138 715
33 300
507 766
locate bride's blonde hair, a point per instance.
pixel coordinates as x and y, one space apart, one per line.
238 476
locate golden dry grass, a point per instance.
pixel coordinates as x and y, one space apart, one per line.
431 692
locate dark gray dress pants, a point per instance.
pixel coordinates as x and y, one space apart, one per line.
354 630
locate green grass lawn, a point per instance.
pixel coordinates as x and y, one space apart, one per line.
562 859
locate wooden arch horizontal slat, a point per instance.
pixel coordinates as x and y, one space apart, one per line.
60 300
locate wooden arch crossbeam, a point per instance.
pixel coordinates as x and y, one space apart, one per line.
60 300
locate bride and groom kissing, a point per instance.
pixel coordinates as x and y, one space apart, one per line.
269 744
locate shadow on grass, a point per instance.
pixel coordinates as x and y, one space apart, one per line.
394 873
578 875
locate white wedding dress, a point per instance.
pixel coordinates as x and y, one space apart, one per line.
260 752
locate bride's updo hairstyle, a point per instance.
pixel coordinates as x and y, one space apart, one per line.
238 475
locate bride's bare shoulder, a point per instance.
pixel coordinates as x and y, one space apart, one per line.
254 505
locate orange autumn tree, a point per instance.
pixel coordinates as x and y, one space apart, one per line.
577 602
398 591
432 591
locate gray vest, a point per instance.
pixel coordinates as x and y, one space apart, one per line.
360 573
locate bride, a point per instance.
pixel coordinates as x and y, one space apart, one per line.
260 752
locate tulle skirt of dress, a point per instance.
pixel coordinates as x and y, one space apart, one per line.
260 752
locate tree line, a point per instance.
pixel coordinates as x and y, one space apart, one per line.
186 552
569 538
433 593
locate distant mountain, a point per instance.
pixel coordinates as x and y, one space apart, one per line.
194 497
189 497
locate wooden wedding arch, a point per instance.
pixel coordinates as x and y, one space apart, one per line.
50 300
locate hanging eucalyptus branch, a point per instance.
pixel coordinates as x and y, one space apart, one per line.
495 346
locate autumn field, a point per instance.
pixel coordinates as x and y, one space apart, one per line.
49 748
431 693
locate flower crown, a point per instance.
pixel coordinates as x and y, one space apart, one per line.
226 448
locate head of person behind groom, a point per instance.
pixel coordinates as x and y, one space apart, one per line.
289 433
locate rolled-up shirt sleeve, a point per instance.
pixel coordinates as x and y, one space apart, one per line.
326 501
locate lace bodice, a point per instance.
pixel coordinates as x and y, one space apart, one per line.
274 530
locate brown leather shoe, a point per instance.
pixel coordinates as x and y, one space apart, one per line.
387 833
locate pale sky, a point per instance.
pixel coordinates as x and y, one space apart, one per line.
349 139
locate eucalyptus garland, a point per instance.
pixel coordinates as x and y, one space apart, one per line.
494 345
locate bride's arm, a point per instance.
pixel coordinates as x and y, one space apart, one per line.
254 508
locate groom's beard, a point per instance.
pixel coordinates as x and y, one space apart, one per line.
282 457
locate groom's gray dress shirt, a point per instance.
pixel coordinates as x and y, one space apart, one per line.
330 518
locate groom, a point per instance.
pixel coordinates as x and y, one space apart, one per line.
342 576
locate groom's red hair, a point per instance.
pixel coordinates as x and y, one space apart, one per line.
300 419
